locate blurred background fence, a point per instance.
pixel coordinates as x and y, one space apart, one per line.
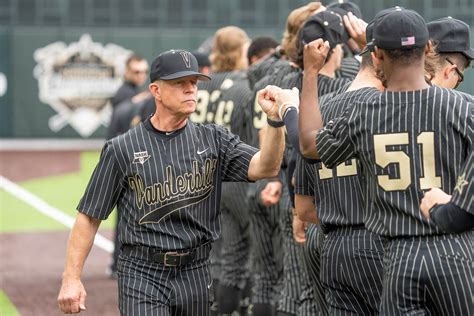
146 27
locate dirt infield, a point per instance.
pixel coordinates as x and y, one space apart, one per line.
30 274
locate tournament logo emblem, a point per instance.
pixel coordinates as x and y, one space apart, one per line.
141 157
187 61
78 80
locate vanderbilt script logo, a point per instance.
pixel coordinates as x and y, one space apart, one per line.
175 192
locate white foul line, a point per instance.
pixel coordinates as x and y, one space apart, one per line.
43 207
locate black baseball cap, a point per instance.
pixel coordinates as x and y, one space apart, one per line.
452 36
369 31
202 59
399 28
345 7
174 64
326 25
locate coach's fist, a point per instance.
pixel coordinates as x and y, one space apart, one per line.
72 297
314 55
266 100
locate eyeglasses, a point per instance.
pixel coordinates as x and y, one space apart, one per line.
460 74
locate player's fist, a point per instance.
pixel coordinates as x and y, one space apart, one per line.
286 98
272 193
72 297
314 55
431 198
266 100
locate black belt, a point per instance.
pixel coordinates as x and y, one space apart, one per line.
167 258
326 228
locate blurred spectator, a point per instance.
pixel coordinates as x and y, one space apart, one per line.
136 73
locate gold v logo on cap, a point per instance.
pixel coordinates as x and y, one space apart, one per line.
186 59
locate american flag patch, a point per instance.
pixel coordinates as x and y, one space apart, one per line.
406 41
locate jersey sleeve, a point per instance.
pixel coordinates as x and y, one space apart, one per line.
305 177
235 156
463 192
333 142
105 186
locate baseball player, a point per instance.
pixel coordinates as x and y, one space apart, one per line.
408 139
230 260
452 51
228 61
351 256
165 177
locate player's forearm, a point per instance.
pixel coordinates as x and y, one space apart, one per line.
451 218
80 243
310 120
266 163
305 208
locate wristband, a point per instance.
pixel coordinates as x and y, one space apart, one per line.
275 124
281 108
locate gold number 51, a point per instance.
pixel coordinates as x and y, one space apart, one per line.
383 158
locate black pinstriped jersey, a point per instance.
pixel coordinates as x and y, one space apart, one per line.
327 84
265 67
349 68
238 97
167 187
305 177
209 109
338 191
463 192
407 142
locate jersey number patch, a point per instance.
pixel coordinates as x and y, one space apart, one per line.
383 158
342 170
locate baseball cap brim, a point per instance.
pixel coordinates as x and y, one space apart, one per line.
367 49
469 53
182 74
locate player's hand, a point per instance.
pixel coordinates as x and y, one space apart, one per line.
356 28
299 230
72 297
266 100
431 198
272 193
314 55
286 98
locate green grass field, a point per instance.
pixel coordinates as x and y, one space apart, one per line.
62 192
6 307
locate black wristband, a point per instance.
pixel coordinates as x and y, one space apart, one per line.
275 124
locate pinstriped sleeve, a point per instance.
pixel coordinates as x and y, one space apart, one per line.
333 142
304 177
463 193
235 156
105 186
